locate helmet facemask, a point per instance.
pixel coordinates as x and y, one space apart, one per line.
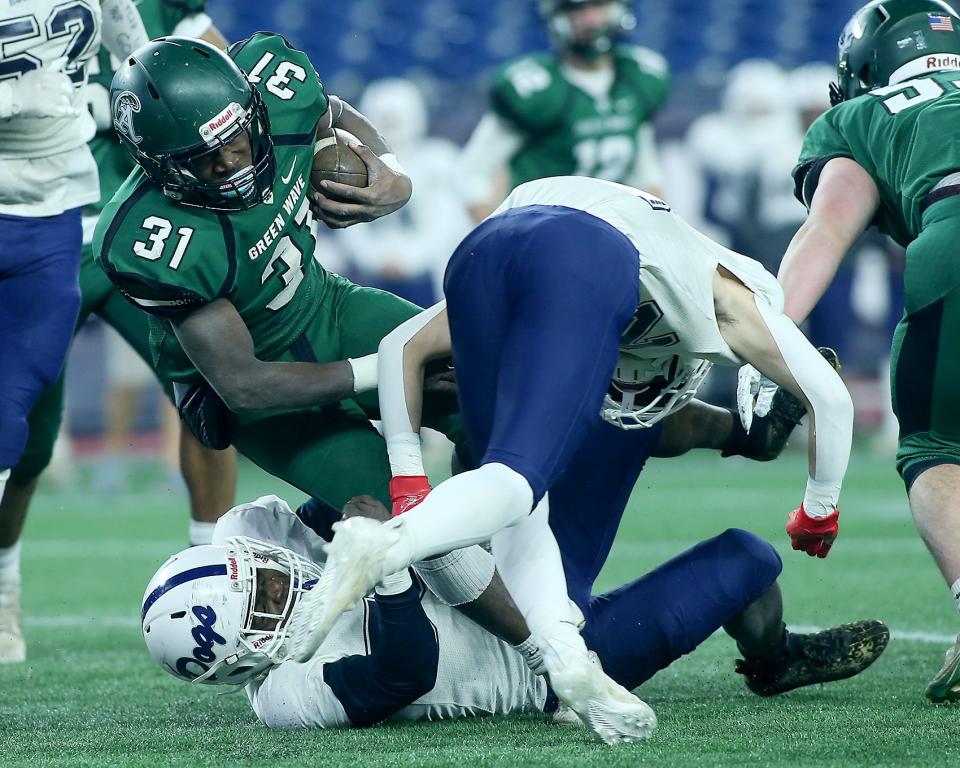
597 41
182 177
645 391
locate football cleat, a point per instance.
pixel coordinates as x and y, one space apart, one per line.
769 433
945 685
608 709
354 567
833 654
13 648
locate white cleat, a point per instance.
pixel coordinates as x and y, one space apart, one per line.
565 716
608 709
13 648
354 567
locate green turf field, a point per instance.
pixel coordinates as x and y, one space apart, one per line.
90 696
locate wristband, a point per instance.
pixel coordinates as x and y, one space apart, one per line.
395 584
390 160
364 372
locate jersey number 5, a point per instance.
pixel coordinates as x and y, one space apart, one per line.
896 98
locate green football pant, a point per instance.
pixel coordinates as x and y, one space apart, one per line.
925 359
333 453
101 298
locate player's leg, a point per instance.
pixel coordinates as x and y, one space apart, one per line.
925 372
210 476
331 454
39 302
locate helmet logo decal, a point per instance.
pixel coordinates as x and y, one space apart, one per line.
221 122
124 107
205 636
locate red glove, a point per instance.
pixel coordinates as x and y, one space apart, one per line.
814 535
407 491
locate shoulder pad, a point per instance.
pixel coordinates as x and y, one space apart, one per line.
529 92
162 256
648 61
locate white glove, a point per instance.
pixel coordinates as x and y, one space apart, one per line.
39 93
754 394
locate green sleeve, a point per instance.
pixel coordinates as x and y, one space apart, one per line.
163 257
529 93
169 14
287 81
651 75
823 142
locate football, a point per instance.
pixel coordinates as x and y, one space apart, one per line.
334 160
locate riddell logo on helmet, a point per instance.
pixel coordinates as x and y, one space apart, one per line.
221 121
234 568
943 61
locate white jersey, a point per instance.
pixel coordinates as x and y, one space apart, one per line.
677 265
45 166
478 674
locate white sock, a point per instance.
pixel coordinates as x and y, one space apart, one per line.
201 533
10 566
466 509
4 475
955 591
530 565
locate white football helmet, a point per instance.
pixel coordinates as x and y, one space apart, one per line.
645 390
199 614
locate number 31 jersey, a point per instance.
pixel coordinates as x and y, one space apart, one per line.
903 135
167 257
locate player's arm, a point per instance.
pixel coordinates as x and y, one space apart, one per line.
482 175
767 339
123 31
388 186
218 343
842 205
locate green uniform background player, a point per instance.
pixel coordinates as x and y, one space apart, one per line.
584 110
212 236
886 154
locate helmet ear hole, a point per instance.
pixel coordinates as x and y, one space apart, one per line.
178 615
153 91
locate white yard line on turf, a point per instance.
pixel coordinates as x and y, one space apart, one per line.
76 621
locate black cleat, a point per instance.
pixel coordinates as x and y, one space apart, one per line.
769 434
833 654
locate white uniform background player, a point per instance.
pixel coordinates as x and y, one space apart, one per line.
478 674
46 174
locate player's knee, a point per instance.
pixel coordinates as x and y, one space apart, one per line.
510 491
752 561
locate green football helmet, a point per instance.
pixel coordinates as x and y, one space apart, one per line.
598 41
890 41
175 102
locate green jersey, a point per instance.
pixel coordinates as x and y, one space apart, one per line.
568 132
167 257
901 135
160 17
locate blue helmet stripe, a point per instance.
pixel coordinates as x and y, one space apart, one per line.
181 578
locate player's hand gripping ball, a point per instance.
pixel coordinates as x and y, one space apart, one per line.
335 160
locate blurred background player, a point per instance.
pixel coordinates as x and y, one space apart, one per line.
405 253
583 110
210 477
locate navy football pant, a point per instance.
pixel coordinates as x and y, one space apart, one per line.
39 302
641 627
537 298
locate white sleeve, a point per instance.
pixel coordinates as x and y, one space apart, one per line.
193 25
294 695
123 30
647 172
270 519
832 409
403 444
492 144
